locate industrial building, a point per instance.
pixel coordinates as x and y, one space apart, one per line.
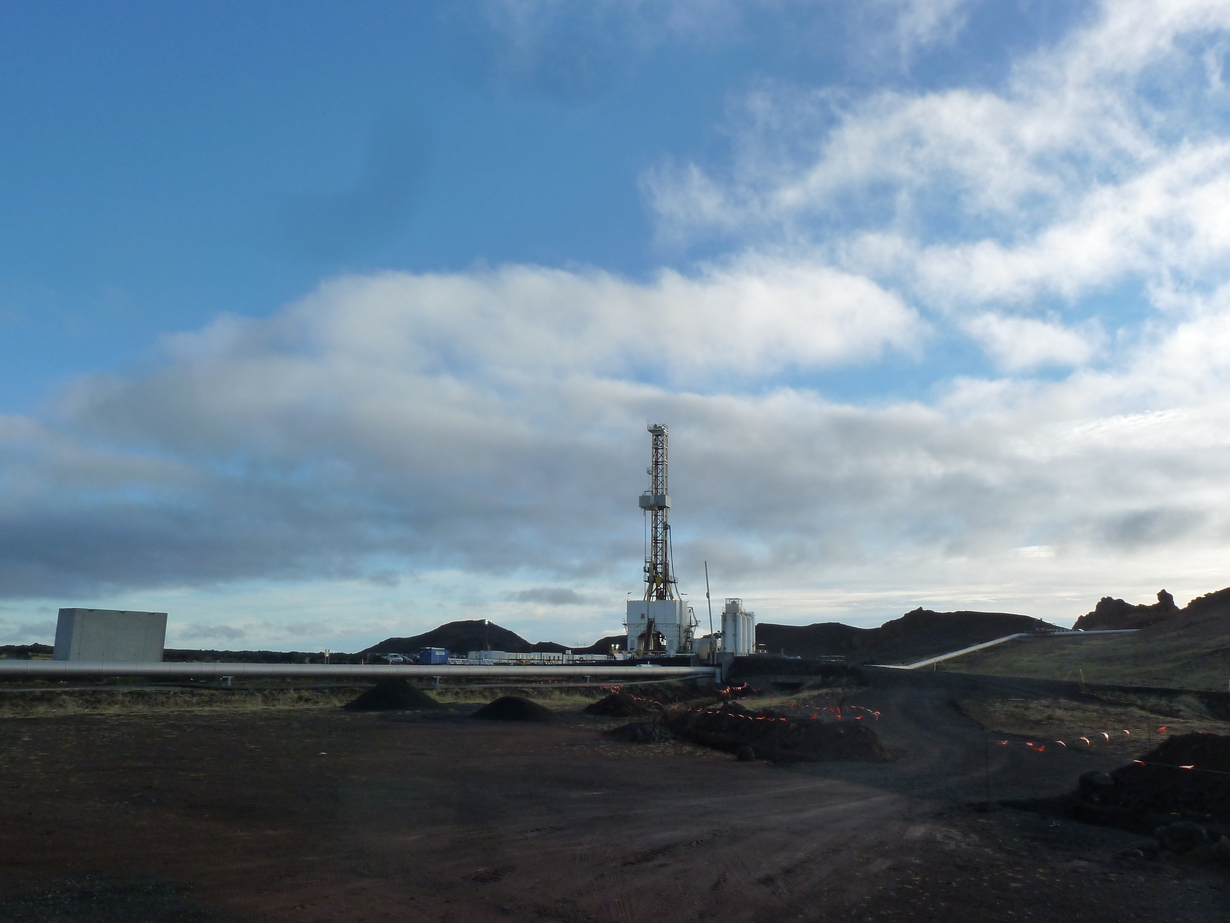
116 635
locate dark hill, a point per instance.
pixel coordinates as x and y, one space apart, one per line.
603 645
25 651
1111 614
820 640
461 638
915 636
1215 605
922 633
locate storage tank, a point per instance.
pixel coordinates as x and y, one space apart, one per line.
738 629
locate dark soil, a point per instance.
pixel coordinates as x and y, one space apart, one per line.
642 732
322 815
102 900
514 708
623 705
392 695
778 738
674 693
1157 785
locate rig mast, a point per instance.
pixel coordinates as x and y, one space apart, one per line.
656 502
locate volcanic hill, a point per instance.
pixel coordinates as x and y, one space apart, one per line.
462 637
915 636
1187 648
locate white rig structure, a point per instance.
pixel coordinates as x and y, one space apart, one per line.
660 623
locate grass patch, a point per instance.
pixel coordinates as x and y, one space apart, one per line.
1145 658
1067 719
117 699
51 703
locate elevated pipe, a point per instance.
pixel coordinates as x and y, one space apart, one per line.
66 669
1020 634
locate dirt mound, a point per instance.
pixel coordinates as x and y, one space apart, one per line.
778 738
642 732
1159 783
622 705
1185 778
392 695
514 708
675 693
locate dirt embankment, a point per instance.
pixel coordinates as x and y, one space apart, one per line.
776 736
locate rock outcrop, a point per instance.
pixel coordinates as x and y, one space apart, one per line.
1112 614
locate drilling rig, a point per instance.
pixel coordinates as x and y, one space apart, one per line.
661 622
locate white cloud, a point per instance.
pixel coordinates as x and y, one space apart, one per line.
1095 162
1019 343
494 424
923 23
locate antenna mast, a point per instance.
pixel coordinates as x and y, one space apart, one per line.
659 572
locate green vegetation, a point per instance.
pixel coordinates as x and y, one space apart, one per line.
1146 658
47 703
1063 718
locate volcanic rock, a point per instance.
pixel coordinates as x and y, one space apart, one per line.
1112 614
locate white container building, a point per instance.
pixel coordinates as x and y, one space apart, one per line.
117 635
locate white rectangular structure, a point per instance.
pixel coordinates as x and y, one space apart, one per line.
738 629
672 626
117 635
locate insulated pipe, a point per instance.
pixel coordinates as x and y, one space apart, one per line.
65 669
1020 634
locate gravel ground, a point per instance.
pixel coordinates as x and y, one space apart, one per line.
324 815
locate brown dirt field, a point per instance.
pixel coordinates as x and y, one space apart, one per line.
321 815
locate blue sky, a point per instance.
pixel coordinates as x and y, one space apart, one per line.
324 322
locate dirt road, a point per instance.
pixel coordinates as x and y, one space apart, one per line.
320 815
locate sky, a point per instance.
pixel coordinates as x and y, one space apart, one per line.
327 322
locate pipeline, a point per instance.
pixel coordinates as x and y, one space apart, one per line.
71 669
